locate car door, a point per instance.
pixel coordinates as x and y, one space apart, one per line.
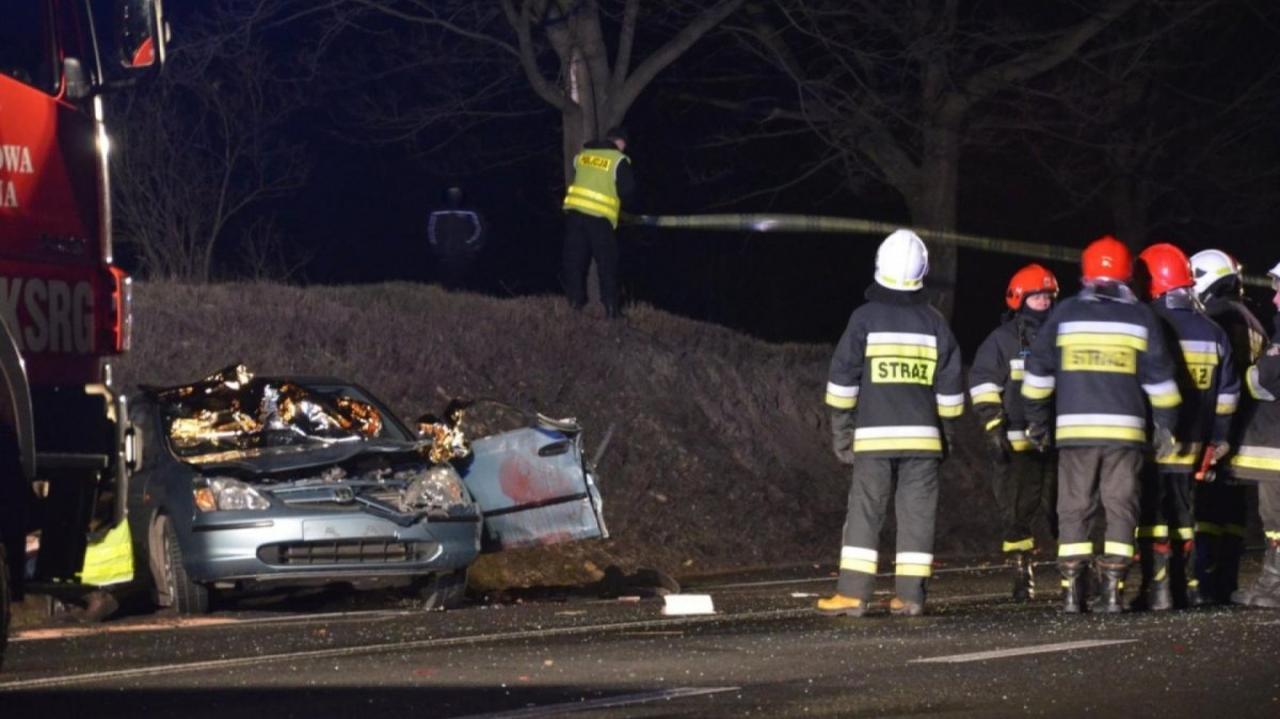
533 489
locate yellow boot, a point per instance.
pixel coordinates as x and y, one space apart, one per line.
839 605
899 607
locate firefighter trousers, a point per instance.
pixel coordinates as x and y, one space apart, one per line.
1221 514
1166 529
1269 507
586 237
912 482
1026 488
1090 478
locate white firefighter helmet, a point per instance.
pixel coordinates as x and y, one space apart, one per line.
1209 266
1274 272
902 261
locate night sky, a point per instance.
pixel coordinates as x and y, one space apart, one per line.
363 210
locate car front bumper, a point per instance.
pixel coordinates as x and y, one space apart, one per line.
315 546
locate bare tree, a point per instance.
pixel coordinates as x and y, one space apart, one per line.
1151 131
560 49
895 89
204 147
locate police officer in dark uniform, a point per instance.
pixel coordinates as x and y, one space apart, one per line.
602 183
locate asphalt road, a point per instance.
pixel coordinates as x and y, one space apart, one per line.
764 653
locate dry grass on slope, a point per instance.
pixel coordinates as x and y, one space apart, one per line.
720 455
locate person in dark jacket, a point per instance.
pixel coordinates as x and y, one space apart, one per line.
602 184
1258 458
1221 505
894 389
1103 357
1210 389
456 235
1024 481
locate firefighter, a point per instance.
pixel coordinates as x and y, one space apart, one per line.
602 184
1221 505
895 374
1102 354
1024 480
1258 458
1210 389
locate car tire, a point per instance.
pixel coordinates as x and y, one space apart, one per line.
174 588
445 590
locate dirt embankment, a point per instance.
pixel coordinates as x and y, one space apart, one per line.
719 458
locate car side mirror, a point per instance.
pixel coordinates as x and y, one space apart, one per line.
141 33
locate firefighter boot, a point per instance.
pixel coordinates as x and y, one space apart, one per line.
1183 572
1074 584
1024 579
1110 598
1265 591
838 605
1155 594
1227 576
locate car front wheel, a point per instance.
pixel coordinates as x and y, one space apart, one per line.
174 588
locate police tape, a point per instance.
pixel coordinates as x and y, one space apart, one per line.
753 222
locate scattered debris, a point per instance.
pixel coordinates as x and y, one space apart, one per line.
681 604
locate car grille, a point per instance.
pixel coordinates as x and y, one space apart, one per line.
390 496
349 551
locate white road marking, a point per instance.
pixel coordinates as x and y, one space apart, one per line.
1021 651
236 662
552 710
164 624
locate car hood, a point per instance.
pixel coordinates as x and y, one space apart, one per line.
269 460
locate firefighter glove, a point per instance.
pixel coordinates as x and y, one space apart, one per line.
1163 442
1038 437
999 445
843 424
1220 451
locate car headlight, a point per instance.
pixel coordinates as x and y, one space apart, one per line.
440 486
227 494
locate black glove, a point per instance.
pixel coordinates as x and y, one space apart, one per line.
843 424
1163 442
1038 437
998 443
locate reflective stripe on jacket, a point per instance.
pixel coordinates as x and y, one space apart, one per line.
898 366
995 380
595 190
1207 379
1105 357
1258 456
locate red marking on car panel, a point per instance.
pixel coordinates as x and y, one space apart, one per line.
526 481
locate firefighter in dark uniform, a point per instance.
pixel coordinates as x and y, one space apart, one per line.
1258 458
895 373
1210 389
602 184
1221 505
1103 356
1024 480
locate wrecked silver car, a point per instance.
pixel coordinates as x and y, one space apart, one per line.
244 482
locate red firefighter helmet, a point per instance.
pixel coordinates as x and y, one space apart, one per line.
1169 268
1106 258
1030 280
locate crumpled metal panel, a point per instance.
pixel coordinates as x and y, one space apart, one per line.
533 489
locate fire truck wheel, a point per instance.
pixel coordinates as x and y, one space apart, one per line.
173 587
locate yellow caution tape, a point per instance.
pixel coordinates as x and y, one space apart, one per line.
750 222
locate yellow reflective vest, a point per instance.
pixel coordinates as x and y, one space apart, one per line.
110 559
595 189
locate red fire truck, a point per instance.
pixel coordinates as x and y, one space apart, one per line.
64 307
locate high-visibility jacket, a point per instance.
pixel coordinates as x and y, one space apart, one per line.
1207 378
594 190
995 378
1258 455
1105 357
898 366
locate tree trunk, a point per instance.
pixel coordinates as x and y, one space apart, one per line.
1129 206
932 205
